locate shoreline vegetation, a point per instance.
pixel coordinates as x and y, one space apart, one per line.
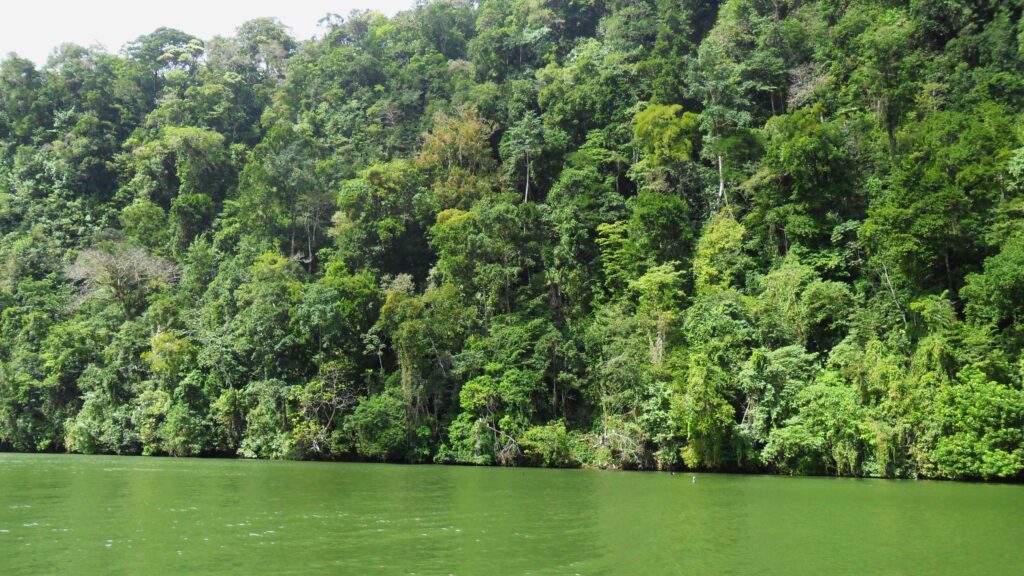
650 234
684 474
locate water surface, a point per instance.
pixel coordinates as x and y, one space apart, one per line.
86 515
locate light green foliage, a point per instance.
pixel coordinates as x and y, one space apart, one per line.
184 160
794 305
168 356
265 436
664 134
550 445
719 262
659 293
145 223
771 381
828 435
984 429
458 149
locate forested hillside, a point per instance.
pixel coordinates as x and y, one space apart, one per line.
761 236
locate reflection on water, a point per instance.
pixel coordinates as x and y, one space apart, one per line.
103 515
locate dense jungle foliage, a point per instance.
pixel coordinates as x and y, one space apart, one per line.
779 236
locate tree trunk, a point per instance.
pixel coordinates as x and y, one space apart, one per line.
892 291
721 183
526 193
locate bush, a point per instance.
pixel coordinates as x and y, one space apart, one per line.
378 426
550 445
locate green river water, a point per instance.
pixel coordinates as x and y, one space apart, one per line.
131 515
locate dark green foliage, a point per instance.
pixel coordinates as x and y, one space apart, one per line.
654 234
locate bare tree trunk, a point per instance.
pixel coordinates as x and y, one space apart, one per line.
437 355
659 344
526 194
892 291
406 376
721 183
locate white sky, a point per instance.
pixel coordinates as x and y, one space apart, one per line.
33 28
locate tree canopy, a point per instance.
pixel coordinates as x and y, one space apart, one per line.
748 236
